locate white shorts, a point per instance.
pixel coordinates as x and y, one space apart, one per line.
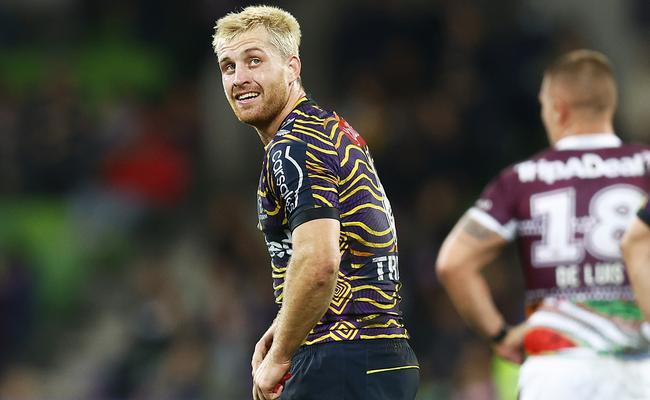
581 374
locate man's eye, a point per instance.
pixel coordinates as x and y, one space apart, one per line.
256 61
229 67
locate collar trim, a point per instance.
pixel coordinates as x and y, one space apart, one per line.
588 141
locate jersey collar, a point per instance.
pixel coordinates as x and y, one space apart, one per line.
588 141
288 119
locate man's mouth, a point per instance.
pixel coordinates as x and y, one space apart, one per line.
246 96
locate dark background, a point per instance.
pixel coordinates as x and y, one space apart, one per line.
130 263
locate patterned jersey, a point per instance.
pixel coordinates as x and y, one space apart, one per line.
318 166
568 208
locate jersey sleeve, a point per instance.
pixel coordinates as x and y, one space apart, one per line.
644 212
496 207
304 180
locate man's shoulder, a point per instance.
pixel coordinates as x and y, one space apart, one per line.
307 124
311 114
636 147
310 107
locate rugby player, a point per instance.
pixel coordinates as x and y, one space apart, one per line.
567 208
327 223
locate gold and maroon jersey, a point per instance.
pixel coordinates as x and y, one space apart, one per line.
318 166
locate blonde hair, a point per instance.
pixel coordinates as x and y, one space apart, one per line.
283 28
588 77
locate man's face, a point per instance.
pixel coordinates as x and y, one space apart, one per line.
255 77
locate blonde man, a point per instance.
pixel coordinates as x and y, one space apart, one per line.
567 207
328 226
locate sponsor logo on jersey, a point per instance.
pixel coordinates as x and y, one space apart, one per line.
352 134
288 195
260 211
282 247
587 166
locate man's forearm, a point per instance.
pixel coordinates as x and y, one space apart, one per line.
641 285
471 296
637 258
469 248
308 291
635 247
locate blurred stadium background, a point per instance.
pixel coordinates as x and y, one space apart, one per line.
130 264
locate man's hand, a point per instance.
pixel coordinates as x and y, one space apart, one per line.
268 381
511 347
262 347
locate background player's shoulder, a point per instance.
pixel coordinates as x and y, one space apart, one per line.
636 147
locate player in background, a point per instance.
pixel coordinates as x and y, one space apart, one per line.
636 251
566 208
328 226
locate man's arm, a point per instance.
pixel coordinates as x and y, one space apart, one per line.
636 251
308 290
309 283
469 248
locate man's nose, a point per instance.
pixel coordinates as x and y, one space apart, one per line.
242 76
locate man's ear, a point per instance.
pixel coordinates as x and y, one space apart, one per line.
561 112
294 68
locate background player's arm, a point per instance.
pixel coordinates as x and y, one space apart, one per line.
636 251
468 249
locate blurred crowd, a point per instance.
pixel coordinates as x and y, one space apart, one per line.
130 263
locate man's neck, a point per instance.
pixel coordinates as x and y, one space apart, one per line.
586 128
266 133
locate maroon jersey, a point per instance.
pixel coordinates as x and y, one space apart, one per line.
568 208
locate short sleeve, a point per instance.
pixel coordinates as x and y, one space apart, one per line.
303 181
496 207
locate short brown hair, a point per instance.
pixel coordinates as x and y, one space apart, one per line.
283 28
588 77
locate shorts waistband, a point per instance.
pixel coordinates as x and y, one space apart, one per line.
375 344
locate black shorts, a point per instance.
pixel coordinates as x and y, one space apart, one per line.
375 369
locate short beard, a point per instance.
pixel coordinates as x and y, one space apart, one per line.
270 109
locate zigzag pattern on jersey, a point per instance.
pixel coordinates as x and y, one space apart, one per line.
367 238
341 174
358 186
348 330
365 229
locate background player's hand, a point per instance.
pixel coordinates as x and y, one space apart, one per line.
261 348
511 347
268 381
